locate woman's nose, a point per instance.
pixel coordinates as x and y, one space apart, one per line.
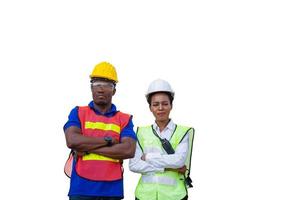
160 106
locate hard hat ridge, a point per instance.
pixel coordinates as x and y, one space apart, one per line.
159 85
105 70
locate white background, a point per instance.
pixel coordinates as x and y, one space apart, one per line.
234 66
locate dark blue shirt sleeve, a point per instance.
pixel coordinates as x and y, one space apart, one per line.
73 119
128 130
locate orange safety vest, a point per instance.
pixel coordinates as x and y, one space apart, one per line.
94 166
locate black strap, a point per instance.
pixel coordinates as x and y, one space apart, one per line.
164 143
169 149
188 179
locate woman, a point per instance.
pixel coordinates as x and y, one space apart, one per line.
162 151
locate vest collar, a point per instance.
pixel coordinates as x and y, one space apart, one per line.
171 127
111 112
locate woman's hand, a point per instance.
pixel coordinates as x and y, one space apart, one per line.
143 157
180 170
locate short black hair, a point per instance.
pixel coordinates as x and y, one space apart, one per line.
171 98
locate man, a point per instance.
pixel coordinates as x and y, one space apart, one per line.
100 137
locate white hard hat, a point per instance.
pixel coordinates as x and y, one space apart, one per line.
159 85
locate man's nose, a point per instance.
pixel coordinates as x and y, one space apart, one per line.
100 90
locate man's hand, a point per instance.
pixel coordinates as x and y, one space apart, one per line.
114 141
81 143
79 153
123 150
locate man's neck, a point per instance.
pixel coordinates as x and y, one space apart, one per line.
102 108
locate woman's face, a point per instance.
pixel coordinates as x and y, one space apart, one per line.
160 107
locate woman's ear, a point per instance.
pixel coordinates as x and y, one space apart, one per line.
150 108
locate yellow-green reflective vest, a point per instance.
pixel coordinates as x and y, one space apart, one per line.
167 185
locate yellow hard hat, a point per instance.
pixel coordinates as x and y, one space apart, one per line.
105 70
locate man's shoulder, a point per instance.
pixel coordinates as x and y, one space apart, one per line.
123 114
83 108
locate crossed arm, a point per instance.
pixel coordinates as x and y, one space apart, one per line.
157 162
80 143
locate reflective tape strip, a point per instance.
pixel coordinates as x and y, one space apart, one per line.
93 156
164 180
103 126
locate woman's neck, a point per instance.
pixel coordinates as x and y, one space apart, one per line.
162 124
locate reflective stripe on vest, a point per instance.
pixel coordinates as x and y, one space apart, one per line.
94 166
164 180
93 156
168 185
103 126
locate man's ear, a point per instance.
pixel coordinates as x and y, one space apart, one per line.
114 92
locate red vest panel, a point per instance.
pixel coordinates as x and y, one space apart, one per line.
93 166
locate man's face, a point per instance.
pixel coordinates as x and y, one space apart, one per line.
102 91
160 106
